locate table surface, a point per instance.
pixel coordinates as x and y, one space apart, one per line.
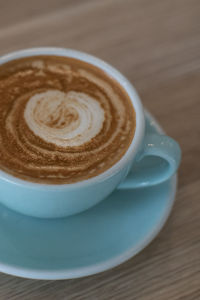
156 44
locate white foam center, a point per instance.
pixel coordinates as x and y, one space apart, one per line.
64 119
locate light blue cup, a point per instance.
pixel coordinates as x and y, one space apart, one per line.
53 201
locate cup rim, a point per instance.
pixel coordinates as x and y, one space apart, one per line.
129 155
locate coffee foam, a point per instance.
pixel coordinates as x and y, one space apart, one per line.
61 120
64 119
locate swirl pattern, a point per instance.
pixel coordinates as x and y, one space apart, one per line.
66 120
61 120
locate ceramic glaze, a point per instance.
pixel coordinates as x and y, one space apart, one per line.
53 201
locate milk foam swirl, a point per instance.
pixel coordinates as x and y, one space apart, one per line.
61 120
64 119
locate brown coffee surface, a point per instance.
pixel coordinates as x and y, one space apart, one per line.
62 120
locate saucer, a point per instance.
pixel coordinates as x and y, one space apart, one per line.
88 243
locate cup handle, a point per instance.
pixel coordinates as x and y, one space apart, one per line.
158 161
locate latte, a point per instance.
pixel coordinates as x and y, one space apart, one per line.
62 120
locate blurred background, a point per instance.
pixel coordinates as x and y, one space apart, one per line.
156 44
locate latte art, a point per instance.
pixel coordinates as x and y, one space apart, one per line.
64 119
61 120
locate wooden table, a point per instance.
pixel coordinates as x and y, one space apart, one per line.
156 44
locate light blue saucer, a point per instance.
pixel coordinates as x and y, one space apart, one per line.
96 240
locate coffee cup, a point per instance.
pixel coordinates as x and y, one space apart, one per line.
45 200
